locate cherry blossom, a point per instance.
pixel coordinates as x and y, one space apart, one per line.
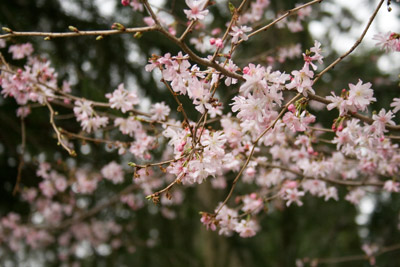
196 11
122 99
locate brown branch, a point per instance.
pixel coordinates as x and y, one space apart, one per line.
58 133
95 140
4 62
156 163
78 33
357 43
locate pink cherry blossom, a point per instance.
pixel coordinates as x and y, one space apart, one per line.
196 11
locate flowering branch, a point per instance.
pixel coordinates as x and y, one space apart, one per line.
253 149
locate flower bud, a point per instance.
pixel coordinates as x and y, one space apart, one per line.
125 2
73 29
292 108
118 26
8 30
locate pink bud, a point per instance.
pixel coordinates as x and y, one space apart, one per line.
181 146
219 43
310 150
292 108
291 184
125 2
340 128
253 196
246 70
212 41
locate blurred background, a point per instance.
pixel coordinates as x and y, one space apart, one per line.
317 230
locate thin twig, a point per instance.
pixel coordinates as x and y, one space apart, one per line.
78 33
157 163
288 13
59 135
180 106
91 139
357 43
228 29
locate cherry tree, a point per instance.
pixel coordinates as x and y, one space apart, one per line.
267 144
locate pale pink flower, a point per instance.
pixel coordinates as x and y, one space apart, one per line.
159 111
355 196
302 81
94 123
23 112
149 21
113 172
21 51
60 184
208 221
2 43
136 5
239 32
382 119
293 195
85 184
83 109
128 126
47 188
388 41
252 204
395 104
247 228
123 99
232 68
392 186
361 95
294 26
196 9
